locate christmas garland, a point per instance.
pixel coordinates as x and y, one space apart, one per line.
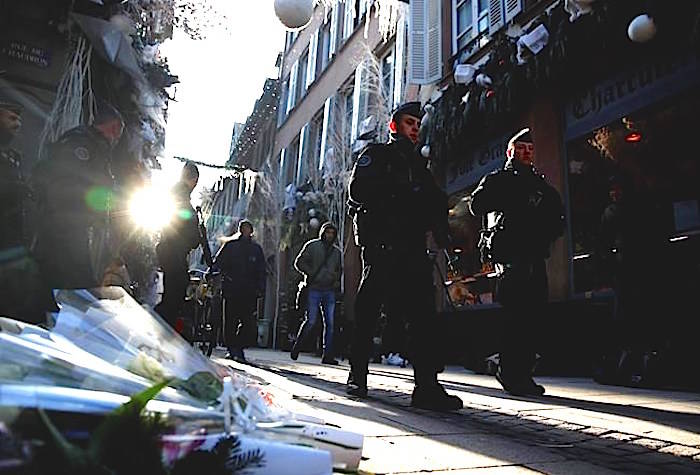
576 55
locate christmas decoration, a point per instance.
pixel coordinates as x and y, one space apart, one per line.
464 73
578 8
641 29
294 14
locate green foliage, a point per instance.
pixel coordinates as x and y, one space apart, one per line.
225 459
127 442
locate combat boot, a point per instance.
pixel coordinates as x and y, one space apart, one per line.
357 382
435 398
429 393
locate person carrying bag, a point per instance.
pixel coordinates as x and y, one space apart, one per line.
320 263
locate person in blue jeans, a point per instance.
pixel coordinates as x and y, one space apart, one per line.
320 263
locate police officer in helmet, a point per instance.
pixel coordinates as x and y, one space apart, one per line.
395 203
529 218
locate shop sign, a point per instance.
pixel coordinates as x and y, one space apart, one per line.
485 159
28 54
630 91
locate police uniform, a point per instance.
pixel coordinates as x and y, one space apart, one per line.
74 186
13 192
395 203
530 220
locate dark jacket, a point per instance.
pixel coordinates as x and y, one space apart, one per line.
242 263
398 197
12 194
75 182
532 214
182 234
312 261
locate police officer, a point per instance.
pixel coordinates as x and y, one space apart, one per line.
176 242
13 189
18 274
529 217
242 263
75 186
396 202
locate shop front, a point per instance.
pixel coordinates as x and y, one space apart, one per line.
633 170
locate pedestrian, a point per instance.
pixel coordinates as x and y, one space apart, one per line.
242 264
529 218
320 263
178 238
74 186
395 203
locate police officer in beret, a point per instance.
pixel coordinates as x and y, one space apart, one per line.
75 186
529 218
13 189
395 202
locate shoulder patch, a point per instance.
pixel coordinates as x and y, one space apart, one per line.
364 161
81 153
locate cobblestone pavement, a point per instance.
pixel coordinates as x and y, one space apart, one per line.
579 427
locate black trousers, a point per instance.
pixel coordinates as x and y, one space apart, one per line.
175 281
522 291
240 324
402 283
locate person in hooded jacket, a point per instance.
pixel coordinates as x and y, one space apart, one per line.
530 217
319 261
242 265
395 204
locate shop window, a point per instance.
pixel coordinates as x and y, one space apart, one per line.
633 191
469 282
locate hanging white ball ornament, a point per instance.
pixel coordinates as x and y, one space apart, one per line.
642 29
314 223
425 151
484 80
294 14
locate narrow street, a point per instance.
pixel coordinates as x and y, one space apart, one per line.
578 427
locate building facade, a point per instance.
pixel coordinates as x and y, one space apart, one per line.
605 112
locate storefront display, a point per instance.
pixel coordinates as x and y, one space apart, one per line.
634 183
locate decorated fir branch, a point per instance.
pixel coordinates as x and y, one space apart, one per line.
128 442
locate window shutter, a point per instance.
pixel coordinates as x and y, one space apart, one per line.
324 133
496 21
513 7
357 92
350 14
283 157
303 143
334 31
291 90
424 41
311 66
399 59
434 42
416 42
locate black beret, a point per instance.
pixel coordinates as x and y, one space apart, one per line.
410 108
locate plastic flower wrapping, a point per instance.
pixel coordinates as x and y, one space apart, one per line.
102 347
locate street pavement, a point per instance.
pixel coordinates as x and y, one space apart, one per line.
578 427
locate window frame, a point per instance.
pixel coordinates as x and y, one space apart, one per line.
477 17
